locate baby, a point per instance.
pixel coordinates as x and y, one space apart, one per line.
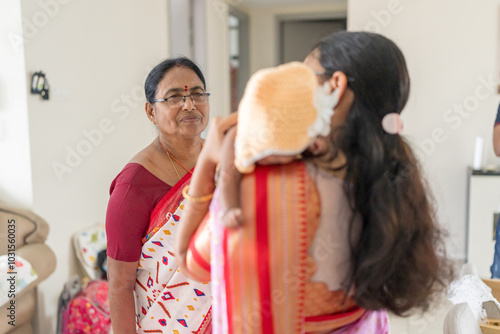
285 115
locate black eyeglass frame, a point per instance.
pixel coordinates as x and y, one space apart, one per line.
328 73
184 98
323 73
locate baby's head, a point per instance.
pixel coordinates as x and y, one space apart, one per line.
277 118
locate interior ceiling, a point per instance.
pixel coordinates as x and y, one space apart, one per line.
269 3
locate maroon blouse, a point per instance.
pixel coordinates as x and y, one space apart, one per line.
134 194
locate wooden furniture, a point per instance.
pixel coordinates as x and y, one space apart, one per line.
28 235
483 204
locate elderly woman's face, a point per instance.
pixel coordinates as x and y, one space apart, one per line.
185 119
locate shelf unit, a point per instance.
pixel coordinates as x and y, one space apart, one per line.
483 200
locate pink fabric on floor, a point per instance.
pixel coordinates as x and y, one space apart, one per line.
372 322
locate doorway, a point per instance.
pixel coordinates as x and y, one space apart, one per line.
298 35
239 54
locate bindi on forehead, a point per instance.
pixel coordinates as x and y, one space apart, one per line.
185 88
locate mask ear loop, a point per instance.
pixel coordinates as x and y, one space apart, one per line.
324 102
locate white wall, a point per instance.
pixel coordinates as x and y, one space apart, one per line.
96 56
451 50
15 169
263 28
217 56
180 29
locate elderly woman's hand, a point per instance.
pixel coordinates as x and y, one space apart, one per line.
216 132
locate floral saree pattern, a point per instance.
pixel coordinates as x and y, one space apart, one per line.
166 300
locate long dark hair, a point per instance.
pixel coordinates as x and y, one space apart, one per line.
399 261
159 71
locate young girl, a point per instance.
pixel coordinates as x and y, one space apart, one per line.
377 242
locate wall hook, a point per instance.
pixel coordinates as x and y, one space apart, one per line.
39 85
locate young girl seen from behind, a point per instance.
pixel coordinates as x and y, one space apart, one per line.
329 245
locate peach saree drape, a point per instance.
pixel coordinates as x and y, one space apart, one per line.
259 272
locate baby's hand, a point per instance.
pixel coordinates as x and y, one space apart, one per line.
232 218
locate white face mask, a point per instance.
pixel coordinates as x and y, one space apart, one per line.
325 102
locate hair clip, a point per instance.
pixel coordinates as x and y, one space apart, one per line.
392 123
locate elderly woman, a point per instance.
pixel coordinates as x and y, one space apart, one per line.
145 205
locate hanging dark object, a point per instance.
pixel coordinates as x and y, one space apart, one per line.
39 85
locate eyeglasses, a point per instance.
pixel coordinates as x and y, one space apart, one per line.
178 100
327 73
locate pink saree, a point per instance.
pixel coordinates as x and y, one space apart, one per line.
260 272
166 300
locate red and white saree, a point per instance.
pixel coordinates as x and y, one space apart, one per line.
166 300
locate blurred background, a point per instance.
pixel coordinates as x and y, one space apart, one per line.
59 156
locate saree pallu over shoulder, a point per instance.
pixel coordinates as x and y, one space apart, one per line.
167 207
166 300
259 271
